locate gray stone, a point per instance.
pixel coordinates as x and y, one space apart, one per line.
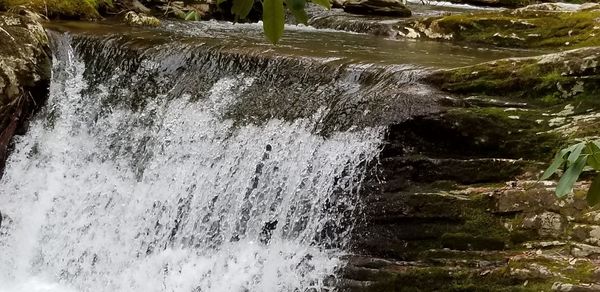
140 19
561 7
584 250
548 224
24 72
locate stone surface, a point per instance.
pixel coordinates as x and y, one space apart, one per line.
140 19
549 7
458 201
510 28
24 73
377 7
556 76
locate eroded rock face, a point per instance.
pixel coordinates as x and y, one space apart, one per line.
377 7
24 73
457 205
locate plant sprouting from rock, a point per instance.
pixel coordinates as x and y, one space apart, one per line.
576 159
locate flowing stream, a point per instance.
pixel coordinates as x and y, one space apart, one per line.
177 166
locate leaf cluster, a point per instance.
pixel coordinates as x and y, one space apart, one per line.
574 160
273 14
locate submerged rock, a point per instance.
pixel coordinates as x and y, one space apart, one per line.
377 7
24 73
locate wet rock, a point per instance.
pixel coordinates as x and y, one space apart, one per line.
584 250
517 28
139 19
589 234
24 73
567 287
589 6
547 224
494 3
377 7
563 7
555 77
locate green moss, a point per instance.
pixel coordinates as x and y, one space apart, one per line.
545 80
521 29
559 270
64 9
453 279
466 241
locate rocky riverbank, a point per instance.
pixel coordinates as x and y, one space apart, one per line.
455 204
460 207
24 73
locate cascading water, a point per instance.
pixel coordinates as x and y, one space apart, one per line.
128 180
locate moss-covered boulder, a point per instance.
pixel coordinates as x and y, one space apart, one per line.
64 9
520 28
549 78
24 73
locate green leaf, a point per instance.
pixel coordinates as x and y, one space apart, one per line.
324 3
241 8
300 16
593 195
297 9
594 151
576 152
296 4
568 179
273 19
192 15
559 160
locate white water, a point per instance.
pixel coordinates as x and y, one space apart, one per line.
99 199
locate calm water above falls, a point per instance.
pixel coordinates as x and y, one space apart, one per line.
162 166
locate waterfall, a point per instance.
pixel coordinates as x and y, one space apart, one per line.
154 173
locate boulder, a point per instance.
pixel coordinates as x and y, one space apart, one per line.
140 19
539 26
589 7
377 7
25 65
560 7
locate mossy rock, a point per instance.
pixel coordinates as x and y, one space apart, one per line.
477 132
25 65
496 3
62 9
547 79
513 29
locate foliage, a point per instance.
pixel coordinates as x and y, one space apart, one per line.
192 15
274 13
576 159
